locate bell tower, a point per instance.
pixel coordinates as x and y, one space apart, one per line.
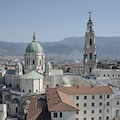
90 60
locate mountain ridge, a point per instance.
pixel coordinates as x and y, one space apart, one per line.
105 47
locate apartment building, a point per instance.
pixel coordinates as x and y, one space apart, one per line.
82 103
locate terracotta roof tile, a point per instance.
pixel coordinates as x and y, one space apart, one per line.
81 90
58 99
35 108
78 64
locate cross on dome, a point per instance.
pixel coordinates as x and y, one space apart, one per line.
90 14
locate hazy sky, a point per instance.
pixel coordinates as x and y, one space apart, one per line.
53 20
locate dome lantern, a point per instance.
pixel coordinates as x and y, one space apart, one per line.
34 37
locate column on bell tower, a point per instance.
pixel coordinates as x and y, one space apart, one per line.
89 60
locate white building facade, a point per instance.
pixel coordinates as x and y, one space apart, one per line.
108 76
94 103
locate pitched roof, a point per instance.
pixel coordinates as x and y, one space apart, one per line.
82 90
32 111
32 75
59 101
36 109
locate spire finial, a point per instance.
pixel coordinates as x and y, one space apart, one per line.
34 37
90 14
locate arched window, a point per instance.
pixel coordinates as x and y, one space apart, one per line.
117 113
90 55
90 41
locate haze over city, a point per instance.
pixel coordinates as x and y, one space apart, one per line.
54 20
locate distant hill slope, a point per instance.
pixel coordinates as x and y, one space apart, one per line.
105 46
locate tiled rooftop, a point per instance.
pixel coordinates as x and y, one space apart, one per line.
58 99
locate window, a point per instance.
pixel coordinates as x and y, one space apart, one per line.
117 102
77 105
23 90
100 104
108 75
98 75
27 62
77 112
113 75
85 104
90 70
55 114
60 114
107 103
107 110
90 41
77 118
93 104
33 62
36 90
107 118
104 75
100 118
77 97
84 119
93 97
92 118
100 97
92 111
17 86
85 111
16 109
29 90
90 55
117 113
7 106
100 111
108 96
85 97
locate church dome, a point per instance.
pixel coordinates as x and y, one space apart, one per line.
66 81
34 46
27 102
18 64
48 64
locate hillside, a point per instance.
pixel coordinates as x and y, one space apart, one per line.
107 47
